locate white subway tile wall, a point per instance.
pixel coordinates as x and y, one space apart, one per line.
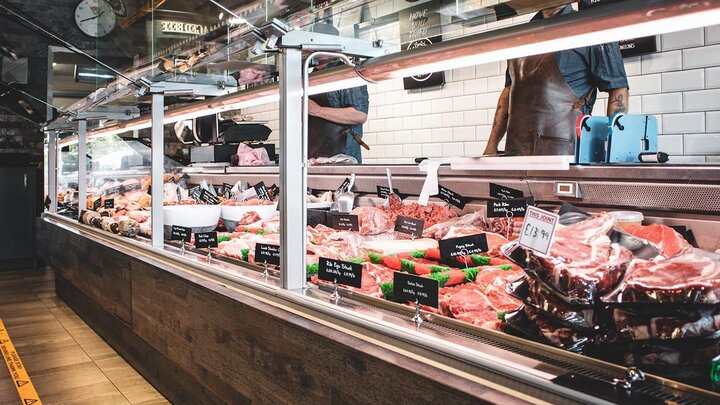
679 84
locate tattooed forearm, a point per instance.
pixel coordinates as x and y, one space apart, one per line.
499 122
618 101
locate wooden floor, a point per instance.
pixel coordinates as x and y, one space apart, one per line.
67 362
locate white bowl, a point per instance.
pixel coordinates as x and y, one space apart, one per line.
192 216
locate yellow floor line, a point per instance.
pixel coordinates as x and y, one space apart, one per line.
20 377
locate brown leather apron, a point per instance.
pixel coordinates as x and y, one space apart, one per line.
325 138
543 108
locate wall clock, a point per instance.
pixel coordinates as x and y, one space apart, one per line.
95 18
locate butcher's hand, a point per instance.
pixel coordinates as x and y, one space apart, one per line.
313 108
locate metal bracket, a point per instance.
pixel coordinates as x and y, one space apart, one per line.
313 41
177 89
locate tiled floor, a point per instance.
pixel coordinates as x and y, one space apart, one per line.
67 361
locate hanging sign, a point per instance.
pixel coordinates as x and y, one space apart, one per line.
420 27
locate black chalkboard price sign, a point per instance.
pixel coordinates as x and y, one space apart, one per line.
109 203
96 204
269 254
462 246
343 272
451 197
206 240
409 287
208 198
411 226
180 233
345 222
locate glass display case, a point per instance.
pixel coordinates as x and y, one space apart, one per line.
447 221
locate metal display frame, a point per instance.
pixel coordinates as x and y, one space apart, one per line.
380 65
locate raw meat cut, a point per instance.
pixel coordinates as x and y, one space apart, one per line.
510 227
467 303
546 301
688 279
669 241
582 263
472 221
431 214
372 221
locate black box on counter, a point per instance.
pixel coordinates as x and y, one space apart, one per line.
221 153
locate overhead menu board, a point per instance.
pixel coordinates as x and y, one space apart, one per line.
420 27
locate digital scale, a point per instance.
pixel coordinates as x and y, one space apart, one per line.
618 139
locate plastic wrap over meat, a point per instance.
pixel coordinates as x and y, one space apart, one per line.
474 220
372 221
675 323
535 325
583 263
688 279
532 293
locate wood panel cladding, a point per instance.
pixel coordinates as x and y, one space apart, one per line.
197 342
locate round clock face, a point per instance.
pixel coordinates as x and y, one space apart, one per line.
95 17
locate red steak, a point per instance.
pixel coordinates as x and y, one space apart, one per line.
669 241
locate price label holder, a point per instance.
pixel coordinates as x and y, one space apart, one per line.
450 249
109 203
206 240
420 290
411 226
507 208
194 193
208 198
119 189
262 191
504 193
339 272
267 254
345 222
97 203
182 234
384 191
343 186
538 230
274 191
452 197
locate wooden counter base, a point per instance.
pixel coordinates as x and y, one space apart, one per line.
199 344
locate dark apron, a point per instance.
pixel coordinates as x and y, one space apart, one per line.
325 138
543 108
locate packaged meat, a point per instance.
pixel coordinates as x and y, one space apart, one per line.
533 293
534 325
688 279
583 263
669 241
128 227
667 323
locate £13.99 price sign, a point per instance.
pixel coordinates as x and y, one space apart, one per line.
538 229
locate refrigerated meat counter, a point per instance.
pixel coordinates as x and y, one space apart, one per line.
223 330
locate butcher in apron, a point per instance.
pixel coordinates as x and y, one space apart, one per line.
545 95
335 119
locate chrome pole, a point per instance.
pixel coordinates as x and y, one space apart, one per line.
293 171
157 168
52 170
82 166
